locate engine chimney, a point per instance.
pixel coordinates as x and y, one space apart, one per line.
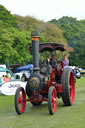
35 49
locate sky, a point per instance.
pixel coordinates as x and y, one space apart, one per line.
46 9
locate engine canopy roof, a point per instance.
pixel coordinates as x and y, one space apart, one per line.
52 47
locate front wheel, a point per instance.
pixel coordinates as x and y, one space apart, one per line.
52 101
20 100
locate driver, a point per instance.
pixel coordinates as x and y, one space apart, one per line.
53 61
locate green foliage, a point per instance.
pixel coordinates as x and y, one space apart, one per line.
15 34
13 45
48 32
74 32
6 17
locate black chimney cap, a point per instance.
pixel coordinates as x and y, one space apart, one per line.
34 34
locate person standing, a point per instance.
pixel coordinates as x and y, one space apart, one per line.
65 61
8 74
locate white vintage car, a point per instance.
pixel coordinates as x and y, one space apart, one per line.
9 88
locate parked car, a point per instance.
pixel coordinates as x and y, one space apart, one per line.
25 68
17 80
82 72
77 73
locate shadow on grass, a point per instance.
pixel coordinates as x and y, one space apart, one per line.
41 109
80 91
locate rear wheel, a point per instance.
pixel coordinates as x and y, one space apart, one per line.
68 83
52 102
20 100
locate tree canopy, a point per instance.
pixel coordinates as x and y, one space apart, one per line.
15 34
74 33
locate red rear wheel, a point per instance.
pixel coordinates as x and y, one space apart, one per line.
68 83
52 102
20 100
71 87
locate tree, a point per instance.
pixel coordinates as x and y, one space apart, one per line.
74 32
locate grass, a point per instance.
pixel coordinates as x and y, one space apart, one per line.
38 117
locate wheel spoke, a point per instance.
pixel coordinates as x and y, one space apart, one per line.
20 100
71 82
68 87
52 100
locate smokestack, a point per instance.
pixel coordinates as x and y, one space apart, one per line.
35 49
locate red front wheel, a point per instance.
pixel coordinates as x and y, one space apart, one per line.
20 100
52 101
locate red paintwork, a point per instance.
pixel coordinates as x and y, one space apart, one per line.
71 88
54 80
59 68
55 73
53 100
38 95
36 99
21 100
59 89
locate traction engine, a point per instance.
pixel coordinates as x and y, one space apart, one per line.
45 82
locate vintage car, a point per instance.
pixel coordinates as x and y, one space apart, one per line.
46 83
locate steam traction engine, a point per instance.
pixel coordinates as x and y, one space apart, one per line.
46 83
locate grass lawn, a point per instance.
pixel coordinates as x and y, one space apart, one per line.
38 117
